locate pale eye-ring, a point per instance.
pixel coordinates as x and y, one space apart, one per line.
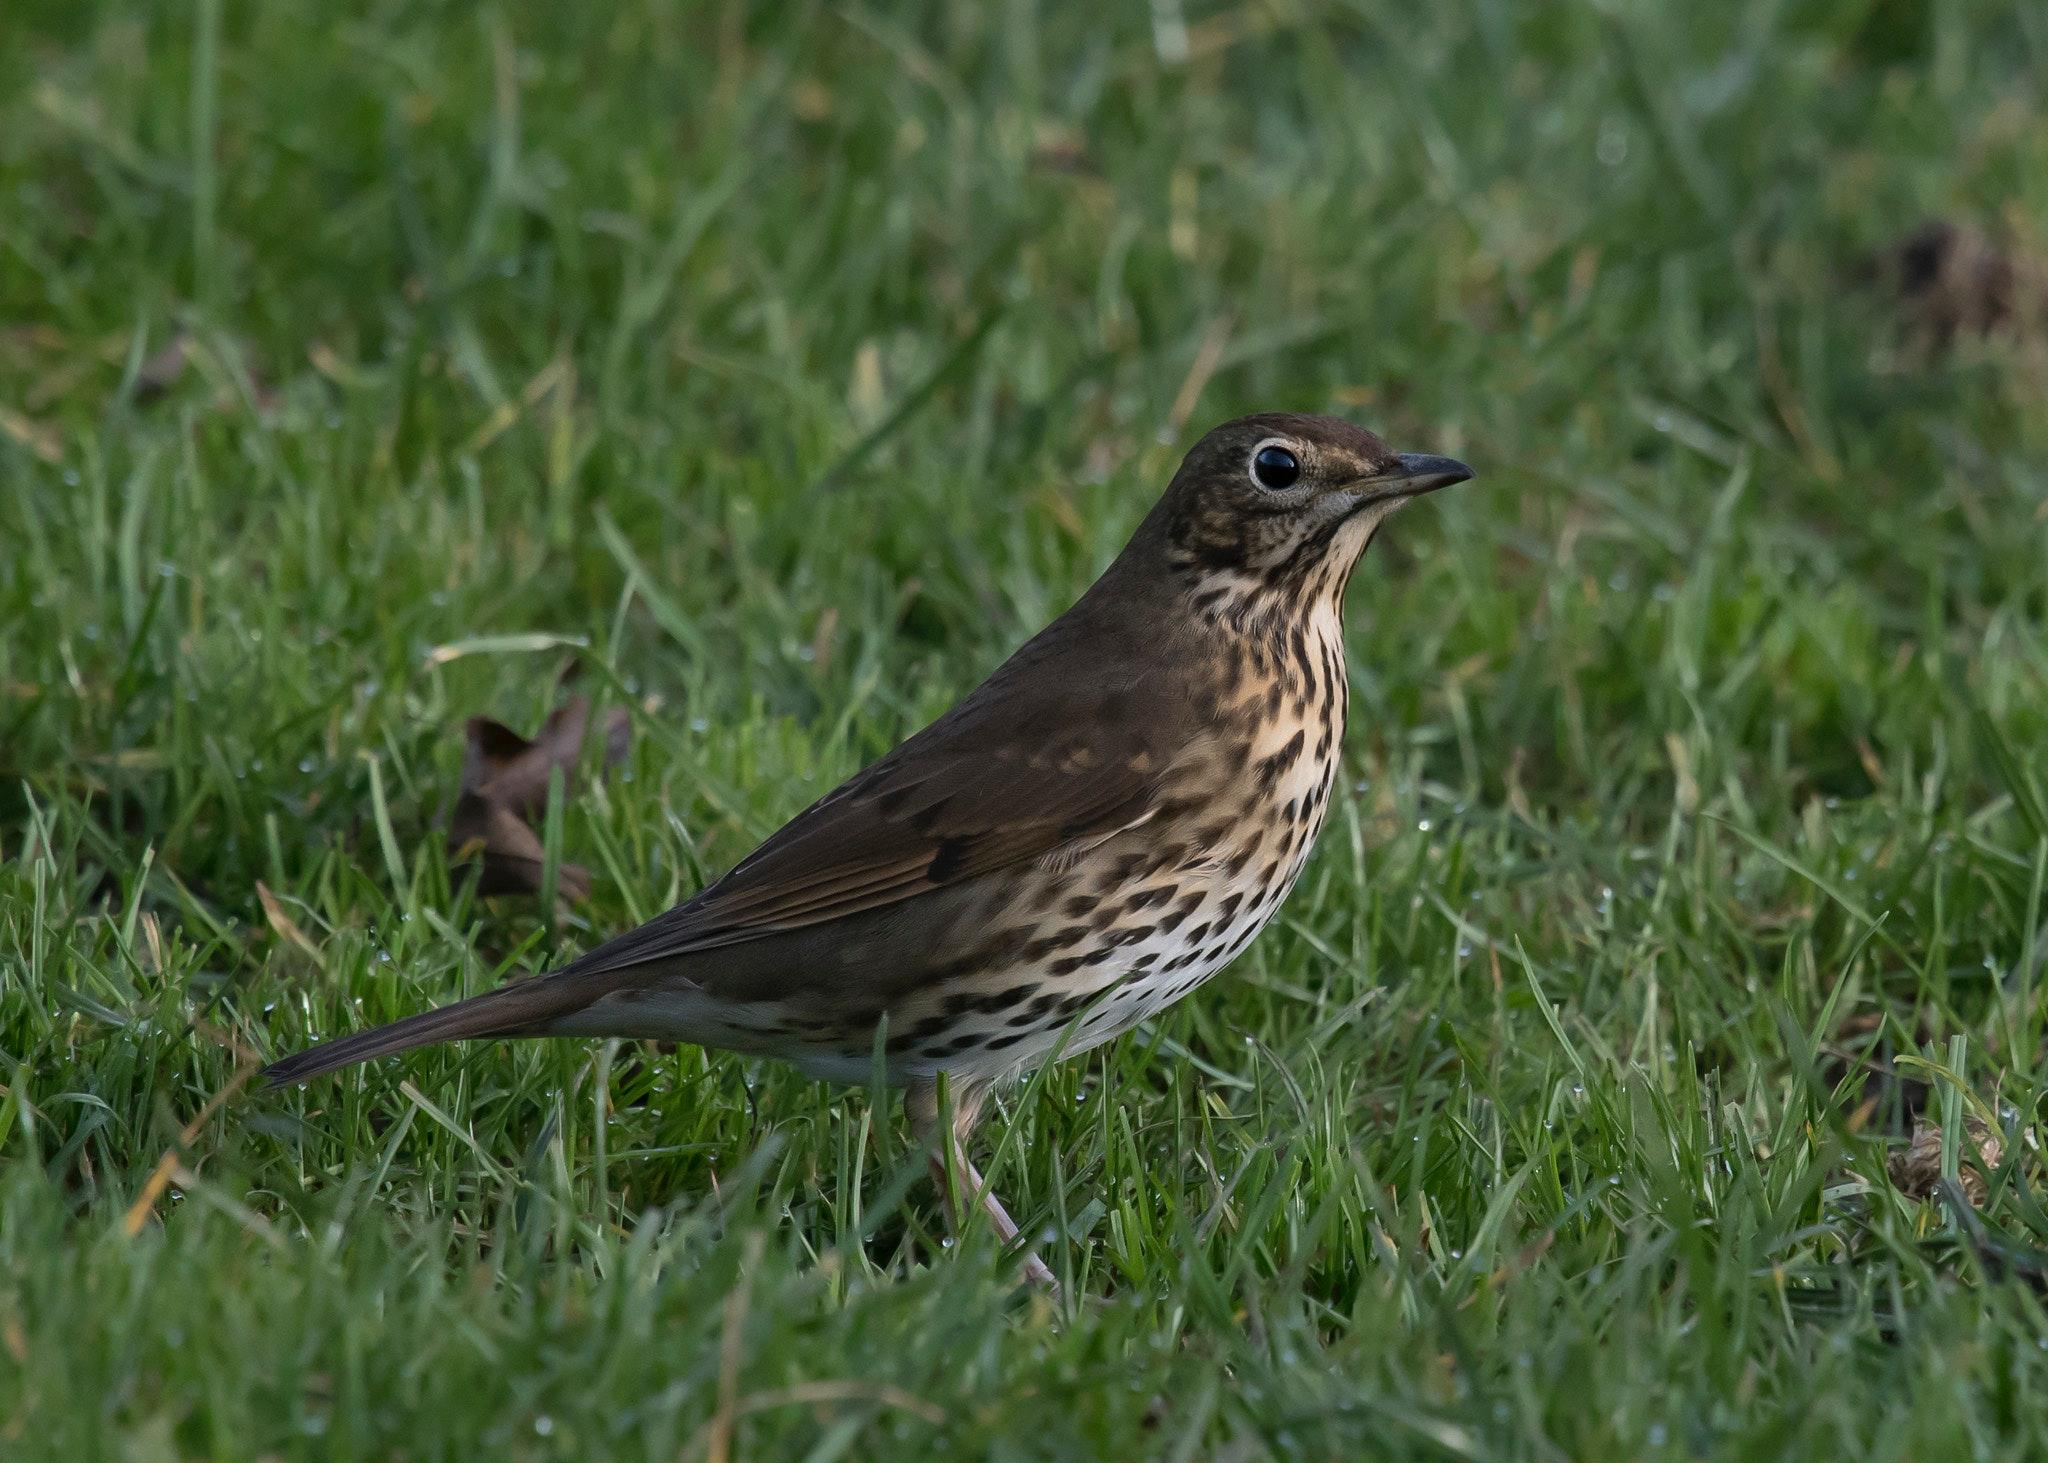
1274 467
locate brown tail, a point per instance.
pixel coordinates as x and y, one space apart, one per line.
520 1009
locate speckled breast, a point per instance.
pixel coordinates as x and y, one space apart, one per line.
1144 918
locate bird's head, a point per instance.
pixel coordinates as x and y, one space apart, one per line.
1287 502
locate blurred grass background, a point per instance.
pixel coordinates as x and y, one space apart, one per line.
782 366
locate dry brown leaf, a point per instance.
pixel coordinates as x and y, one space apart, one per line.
282 926
161 371
505 780
1916 1168
514 859
1954 280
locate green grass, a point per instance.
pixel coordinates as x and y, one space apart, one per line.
782 368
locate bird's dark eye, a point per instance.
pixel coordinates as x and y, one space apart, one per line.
1275 467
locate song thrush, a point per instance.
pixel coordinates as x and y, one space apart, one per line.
1095 831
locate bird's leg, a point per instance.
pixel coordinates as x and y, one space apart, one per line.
951 1168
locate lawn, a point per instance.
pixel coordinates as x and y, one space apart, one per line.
777 369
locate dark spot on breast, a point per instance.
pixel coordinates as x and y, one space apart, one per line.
1272 767
999 948
952 970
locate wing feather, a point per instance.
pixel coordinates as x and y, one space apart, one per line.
1017 773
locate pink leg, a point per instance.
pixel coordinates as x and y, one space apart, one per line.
921 1103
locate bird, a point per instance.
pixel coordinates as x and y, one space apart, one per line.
1093 832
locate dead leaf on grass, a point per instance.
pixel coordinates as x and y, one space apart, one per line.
163 368
1916 1168
505 780
1955 281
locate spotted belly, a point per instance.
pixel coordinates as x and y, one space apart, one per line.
1061 956
1174 930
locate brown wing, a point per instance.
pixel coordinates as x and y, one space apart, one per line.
1019 771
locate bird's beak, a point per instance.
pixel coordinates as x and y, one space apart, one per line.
1414 474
